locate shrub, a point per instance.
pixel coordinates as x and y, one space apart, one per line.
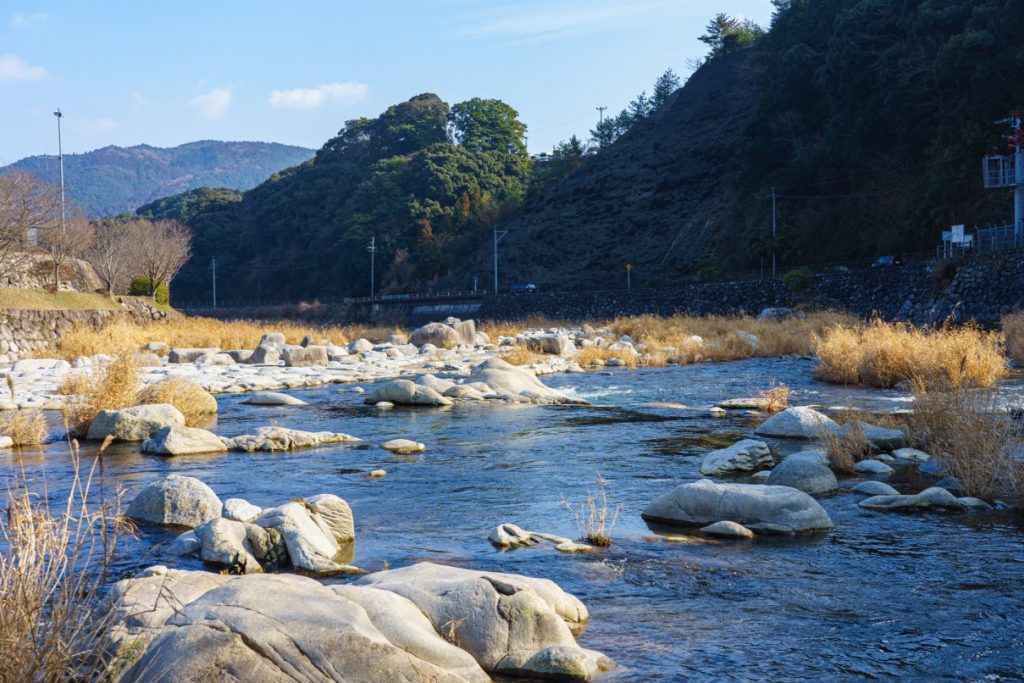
593 519
141 286
25 427
846 448
194 402
775 397
799 280
519 354
1013 331
114 385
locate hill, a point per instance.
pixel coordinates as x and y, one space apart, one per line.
115 179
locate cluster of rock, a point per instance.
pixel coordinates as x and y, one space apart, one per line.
508 536
422 622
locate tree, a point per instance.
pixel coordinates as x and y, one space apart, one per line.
726 34
410 126
26 204
605 132
488 126
161 249
112 249
666 84
65 240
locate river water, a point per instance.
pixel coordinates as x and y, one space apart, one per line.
882 596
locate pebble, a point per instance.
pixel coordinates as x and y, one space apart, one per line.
377 474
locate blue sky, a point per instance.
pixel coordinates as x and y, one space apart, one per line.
128 72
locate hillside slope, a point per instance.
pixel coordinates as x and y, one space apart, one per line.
652 199
115 179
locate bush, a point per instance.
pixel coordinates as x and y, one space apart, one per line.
25 427
141 286
114 386
799 280
1013 331
194 402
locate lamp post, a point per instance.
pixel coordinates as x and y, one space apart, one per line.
60 157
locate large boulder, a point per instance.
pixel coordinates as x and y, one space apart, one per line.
336 514
275 438
197 626
266 354
183 441
440 335
881 438
929 499
273 339
224 542
807 471
35 364
747 455
176 500
437 384
504 378
466 330
800 422
272 398
510 624
406 392
188 355
137 423
304 356
309 539
765 509
553 344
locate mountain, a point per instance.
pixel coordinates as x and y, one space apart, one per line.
115 179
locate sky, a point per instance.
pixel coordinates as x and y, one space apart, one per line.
126 72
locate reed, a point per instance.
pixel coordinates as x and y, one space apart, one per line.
25 427
594 520
1013 330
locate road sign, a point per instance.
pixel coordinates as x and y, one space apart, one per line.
957 234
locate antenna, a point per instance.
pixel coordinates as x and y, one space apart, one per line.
600 114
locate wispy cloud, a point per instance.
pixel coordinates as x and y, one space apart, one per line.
310 98
213 104
22 20
527 22
14 68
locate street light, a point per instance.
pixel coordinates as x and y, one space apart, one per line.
60 156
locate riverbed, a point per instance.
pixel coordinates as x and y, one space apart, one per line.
881 596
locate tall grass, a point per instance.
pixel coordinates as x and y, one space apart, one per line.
114 385
25 427
594 520
1013 331
882 354
194 402
53 567
845 448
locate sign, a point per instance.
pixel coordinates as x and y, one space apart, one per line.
957 234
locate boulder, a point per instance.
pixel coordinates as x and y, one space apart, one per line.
188 355
928 499
336 514
438 334
241 510
743 456
504 378
176 500
875 488
284 439
875 467
762 508
240 355
405 392
6 442
310 545
881 438
304 356
800 422
397 339
465 393
807 471
224 543
35 364
272 398
727 529
438 385
145 359
134 424
183 441
157 347
553 344
185 544
511 624
272 339
360 346
214 359
403 446
266 354
911 455
466 329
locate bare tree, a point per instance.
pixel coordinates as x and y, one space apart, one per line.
65 241
26 203
112 251
161 249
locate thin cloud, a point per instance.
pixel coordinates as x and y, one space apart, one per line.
22 20
14 68
213 104
311 98
540 21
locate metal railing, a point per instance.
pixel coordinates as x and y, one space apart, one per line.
998 238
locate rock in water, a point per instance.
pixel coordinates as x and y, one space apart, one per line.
874 467
405 392
875 488
403 446
272 398
768 509
806 471
310 546
727 529
175 501
743 456
800 422
183 441
928 499
134 424
336 514
440 335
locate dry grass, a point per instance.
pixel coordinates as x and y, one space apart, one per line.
114 385
976 441
600 355
846 448
882 354
519 354
25 427
194 402
186 332
52 573
775 397
1013 331
38 299
593 518
74 384
505 328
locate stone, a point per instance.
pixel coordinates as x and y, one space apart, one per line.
775 509
928 499
397 339
881 438
727 529
360 346
553 344
466 329
240 355
743 456
974 503
911 455
272 398
214 359
384 405
509 623
504 378
405 392
875 488
744 404
336 514
273 339
283 439
157 347
137 423
437 334
241 510
511 536
433 382
176 500
36 364
186 544
6 442
403 446
807 471
183 441
304 356
310 547
144 359
464 393
377 474
266 354
800 422
188 355
224 543
874 467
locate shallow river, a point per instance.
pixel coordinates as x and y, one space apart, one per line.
882 596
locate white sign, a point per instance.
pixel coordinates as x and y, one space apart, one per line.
957 235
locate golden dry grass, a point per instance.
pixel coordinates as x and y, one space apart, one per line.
507 328
1013 331
25 427
199 332
194 402
775 397
114 385
847 447
594 520
882 354
600 355
519 354
38 299
74 384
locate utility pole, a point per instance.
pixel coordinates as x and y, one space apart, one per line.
373 259
498 236
213 269
1003 171
774 229
600 114
60 157
475 281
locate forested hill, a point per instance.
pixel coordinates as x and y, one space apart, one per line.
115 179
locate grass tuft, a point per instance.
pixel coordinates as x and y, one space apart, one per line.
1013 331
25 427
593 518
194 402
775 398
114 385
